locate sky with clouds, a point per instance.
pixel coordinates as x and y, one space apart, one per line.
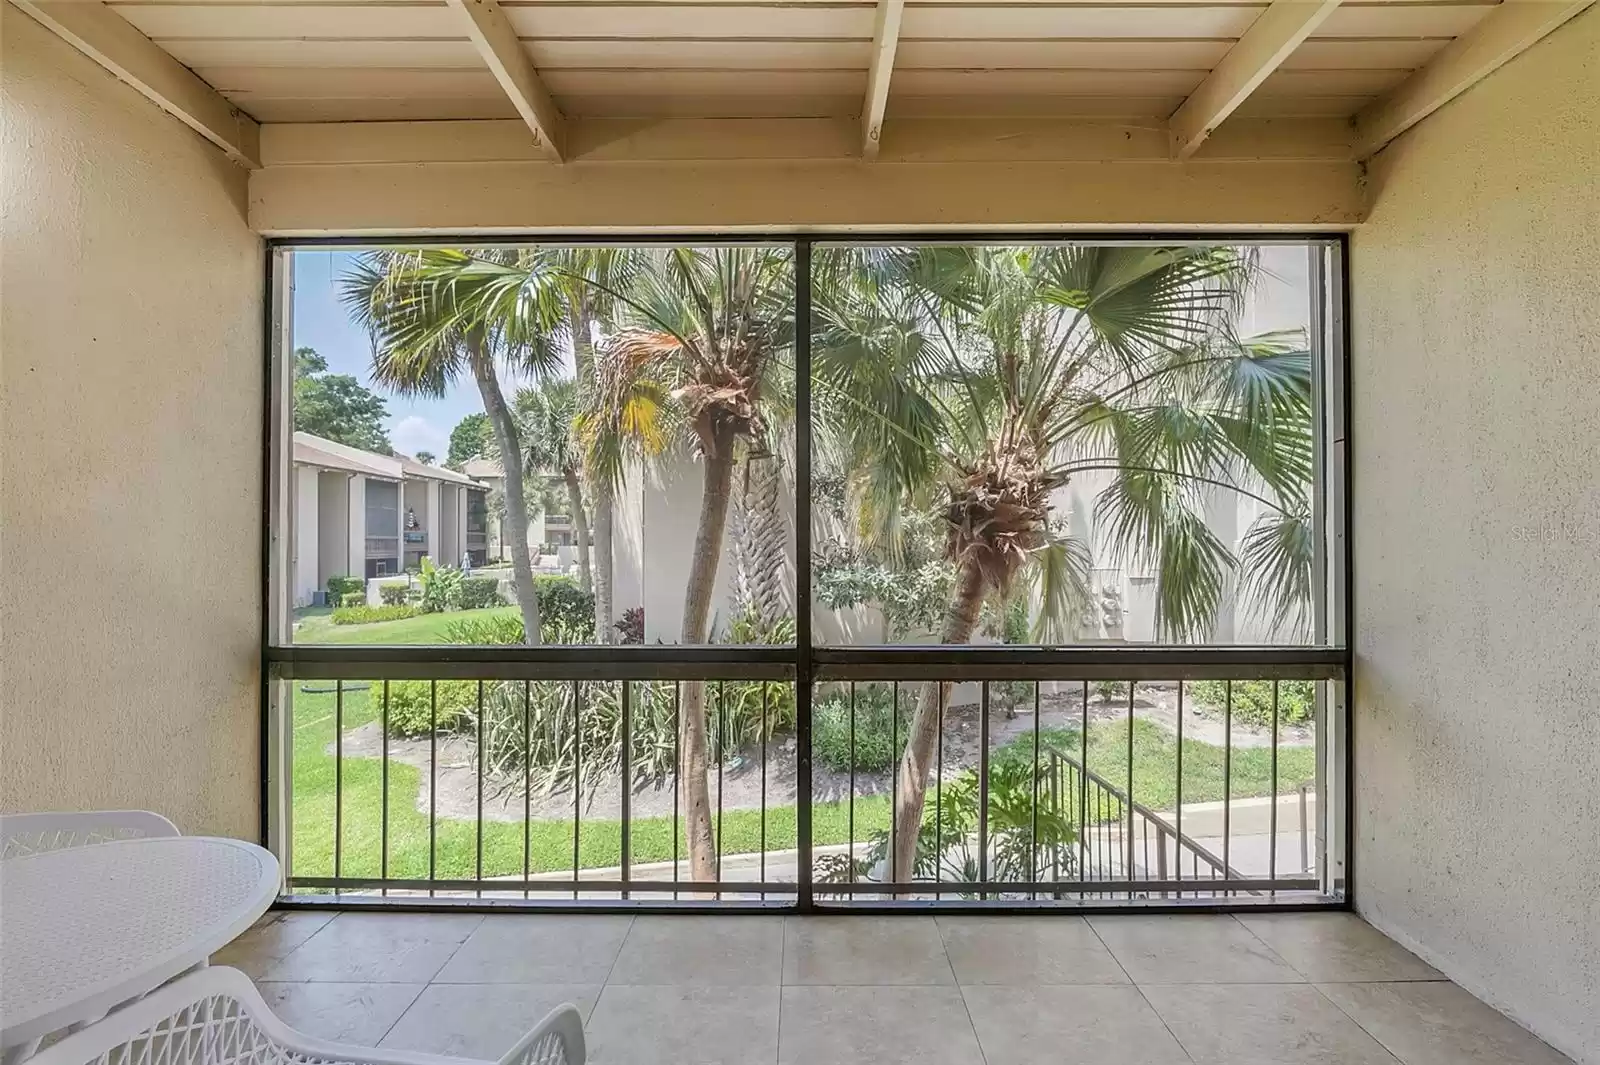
321 322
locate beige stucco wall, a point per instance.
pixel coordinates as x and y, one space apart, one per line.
130 452
1476 402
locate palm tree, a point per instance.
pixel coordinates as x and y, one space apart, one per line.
425 336
992 376
545 416
427 458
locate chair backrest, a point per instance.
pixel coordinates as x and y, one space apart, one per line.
24 834
215 1016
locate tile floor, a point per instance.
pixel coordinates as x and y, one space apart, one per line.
1279 989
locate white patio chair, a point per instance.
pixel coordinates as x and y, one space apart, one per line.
216 1017
24 834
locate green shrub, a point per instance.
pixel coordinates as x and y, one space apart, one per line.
353 599
411 705
878 738
1111 690
479 592
367 615
441 587
529 728
393 594
495 629
563 602
1252 700
339 587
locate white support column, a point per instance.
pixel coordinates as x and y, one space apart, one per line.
307 523
434 526
461 523
358 526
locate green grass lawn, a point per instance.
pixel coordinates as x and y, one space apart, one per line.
550 843
316 626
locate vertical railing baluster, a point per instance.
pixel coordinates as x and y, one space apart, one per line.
478 865
338 776
1227 778
1055 808
722 757
527 784
983 786
677 774
938 787
1033 842
577 784
1128 796
766 697
894 787
1083 782
1177 841
626 842
1272 832
383 784
851 816
433 784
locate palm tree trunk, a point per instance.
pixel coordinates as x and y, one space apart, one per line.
716 489
762 540
600 493
505 433
580 525
911 781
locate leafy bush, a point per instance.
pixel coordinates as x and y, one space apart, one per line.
876 732
368 615
476 593
441 587
339 587
562 601
412 705
393 594
1110 690
353 599
1025 838
530 728
494 629
1252 700
631 627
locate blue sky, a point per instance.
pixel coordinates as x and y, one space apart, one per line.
320 322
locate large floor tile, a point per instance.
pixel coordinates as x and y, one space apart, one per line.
481 1020
675 1025
538 949
1336 947
733 951
876 1026
1190 949
274 936
341 1013
856 950
1027 951
1057 1025
1263 1024
1439 1024
394 948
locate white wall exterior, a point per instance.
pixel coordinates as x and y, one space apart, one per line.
1476 407
433 524
130 456
356 525
307 526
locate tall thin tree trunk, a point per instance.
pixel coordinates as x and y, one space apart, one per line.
505 434
717 486
601 494
761 540
911 781
580 524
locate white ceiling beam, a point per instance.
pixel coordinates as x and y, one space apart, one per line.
111 40
1512 28
1265 45
885 39
496 40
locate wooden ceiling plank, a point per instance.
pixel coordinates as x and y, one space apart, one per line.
497 42
114 43
1513 28
1264 46
885 38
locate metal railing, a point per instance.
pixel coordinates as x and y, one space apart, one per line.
558 776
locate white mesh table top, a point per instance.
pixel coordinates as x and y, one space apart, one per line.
86 929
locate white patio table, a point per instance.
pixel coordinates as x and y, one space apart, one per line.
85 930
